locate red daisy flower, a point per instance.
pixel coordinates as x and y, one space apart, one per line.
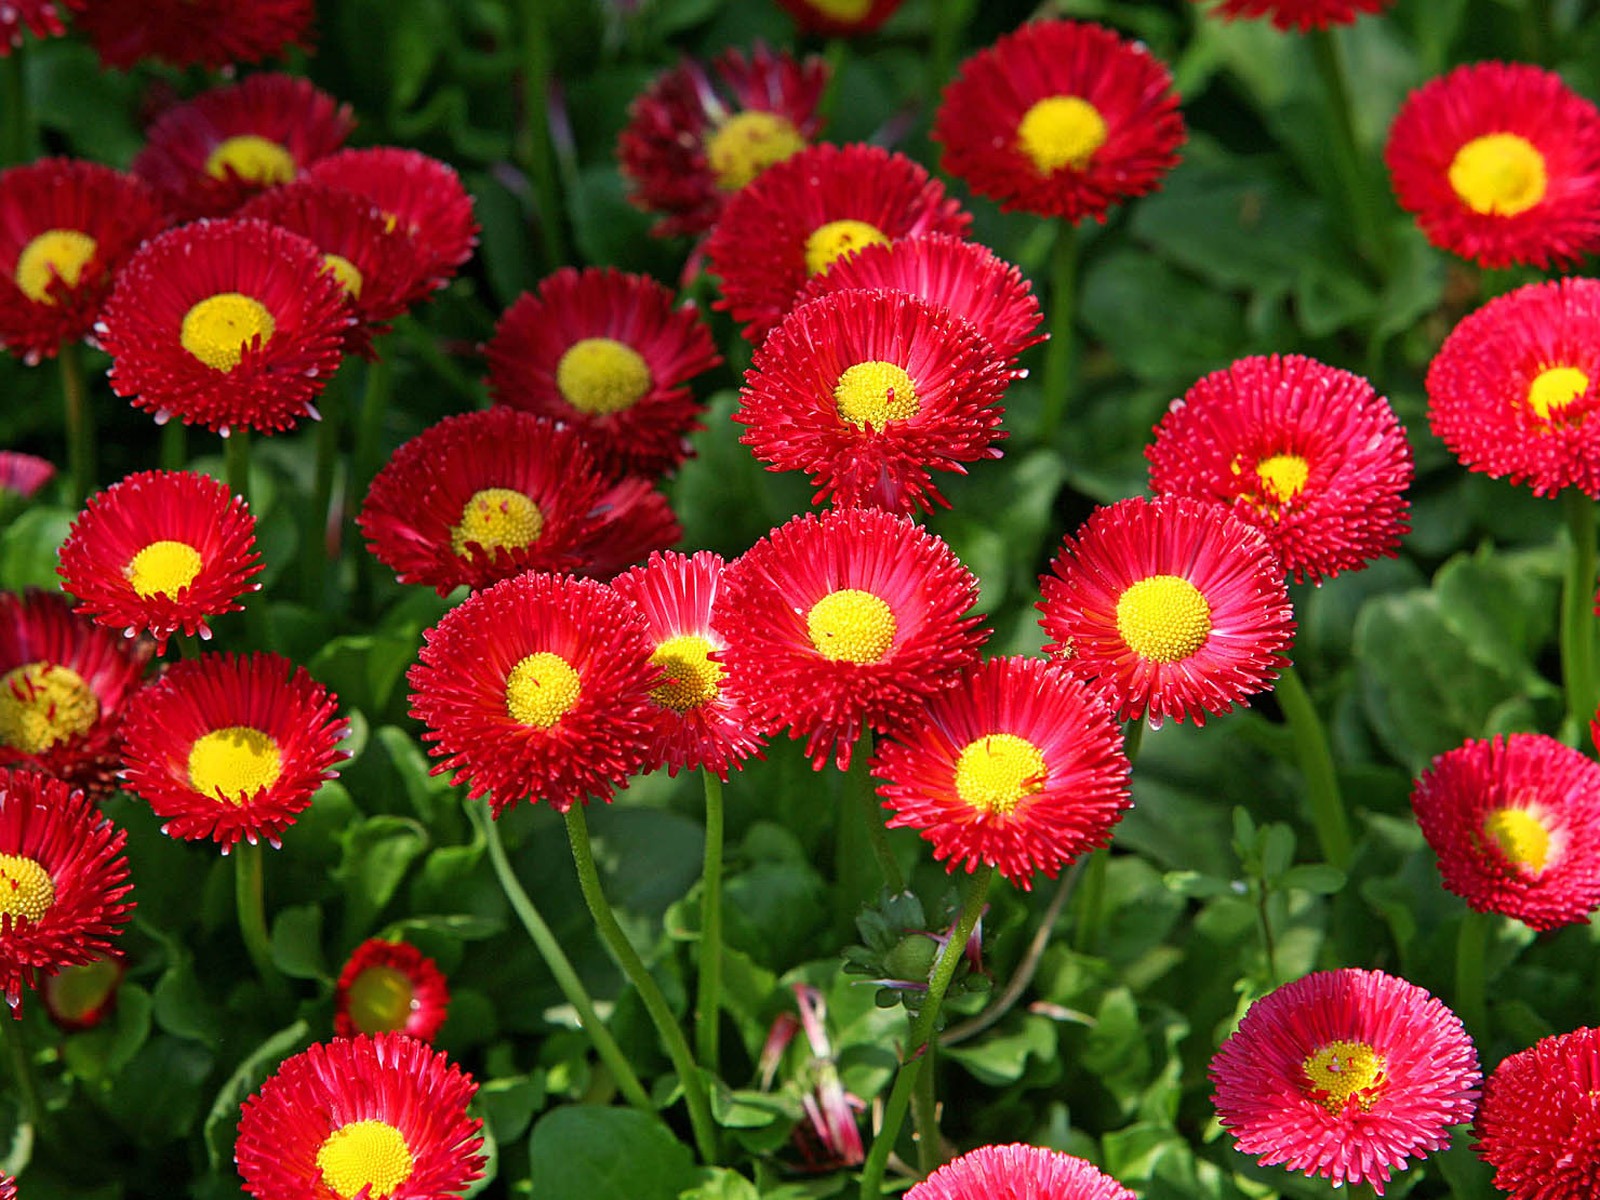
1018 1173
160 552
483 496
207 33
390 986
79 997
22 475
229 746
845 622
803 214
537 688
1060 118
225 323
383 1117
66 229
608 354
1345 1075
63 879
695 136
8 1188
1516 824
698 720
1300 14
869 390
1512 390
1176 607
209 156
65 685
1500 162
1539 1124
962 276
1309 455
835 18
38 17
1018 766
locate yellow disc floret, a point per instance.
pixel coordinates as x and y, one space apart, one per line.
25 888
497 519
1339 1072
843 10
747 143
850 625
365 1154
346 272
381 999
1521 837
44 703
1061 131
996 772
163 568
1283 475
871 394
235 762
692 678
62 253
1164 618
600 376
1499 174
217 330
541 689
253 158
1554 388
831 242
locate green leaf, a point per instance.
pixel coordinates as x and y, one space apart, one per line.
1000 1058
100 1053
1128 299
377 852
28 548
297 942
156 1097
1320 879
222 1122
181 1007
583 1152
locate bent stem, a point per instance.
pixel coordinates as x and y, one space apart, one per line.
1577 613
247 890
1058 353
709 993
79 420
905 1082
1347 156
1328 817
561 969
626 957
1472 943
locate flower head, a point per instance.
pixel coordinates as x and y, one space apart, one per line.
845 622
22 475
375 1117
390 986
1345 1075
608 354
537 688
225 323
63 881
698 135
1176 607
207 33
81 995
159 552
1309 455
1300 14
802 215
230 746
1018 1173
835 18
1539 1124
1062 119
1500 162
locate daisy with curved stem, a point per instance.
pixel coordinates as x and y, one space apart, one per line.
367 1116
607 353
159 552
1022 1171
184 33
390 987
1347 1075
1539 1122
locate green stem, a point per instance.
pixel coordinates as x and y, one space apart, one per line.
539 152
1472 944
944 970
1328 817
174 445
248 889
1346 154
15 112
369 430
314 532
626 957
1058 352
1577 612
236 462
949 22
834 54
1269 949
859 780
925 1112
79 419
555 958
33 1111
709 993
1133 739
1091 908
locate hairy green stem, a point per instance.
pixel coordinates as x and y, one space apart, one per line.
925 1112
1091 906
1346 154
174 445
1471 998
1577 613
236 462
539 159
1328 816
1058 351
859 781
33 1111
1269 948
79 421
949 23
709 993
248 894
314 531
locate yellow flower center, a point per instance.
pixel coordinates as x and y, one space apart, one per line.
1554 388
1163 618
852 626
252 158
871 394
25 888
600 376
365 1154
1341 1071
1499 174
831 242
994 773
381 998
217 330
747 143
1520 836
541 689
54 253
1061 131
163 568
843 10
234 763
692 678
44 703
1283 475
346 272
497 519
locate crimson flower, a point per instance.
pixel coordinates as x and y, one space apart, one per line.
1539 1124
1018 1172
390 986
